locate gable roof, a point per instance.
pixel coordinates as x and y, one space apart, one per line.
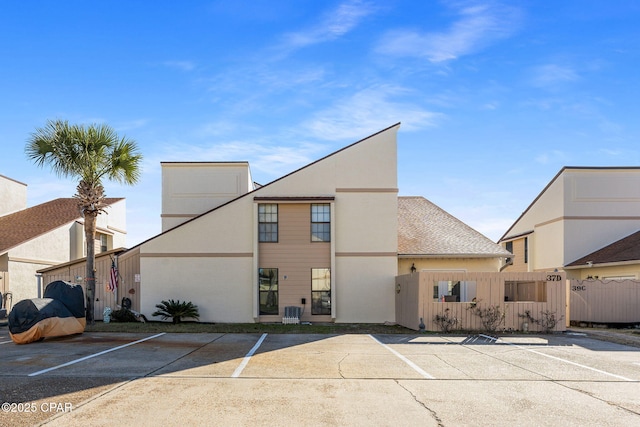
506 236
27 224
424 229
625 249
258 187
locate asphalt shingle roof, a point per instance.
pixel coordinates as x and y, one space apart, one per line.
625 249
425 229
22 226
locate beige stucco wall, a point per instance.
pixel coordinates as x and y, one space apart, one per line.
210 260
192 188
580 212
44 251
13 195
631 269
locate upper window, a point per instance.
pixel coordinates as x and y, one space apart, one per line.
508 246
321 222
267 223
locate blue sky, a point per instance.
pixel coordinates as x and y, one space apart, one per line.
494 97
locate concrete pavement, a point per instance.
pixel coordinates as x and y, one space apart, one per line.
107 379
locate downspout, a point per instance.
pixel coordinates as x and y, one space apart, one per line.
507 264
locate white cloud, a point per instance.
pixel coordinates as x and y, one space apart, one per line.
271 160
477 27
180 65
366 112
339 22
553 156
553 74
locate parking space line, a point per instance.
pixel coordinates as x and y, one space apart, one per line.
44 371
246 359
559 359
5 342
415 367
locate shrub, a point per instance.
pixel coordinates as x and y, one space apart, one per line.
444 321
491 317
123 315
547 322
177 310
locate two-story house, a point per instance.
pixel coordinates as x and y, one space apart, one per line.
582 210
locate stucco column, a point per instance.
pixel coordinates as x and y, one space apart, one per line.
254 274
333 260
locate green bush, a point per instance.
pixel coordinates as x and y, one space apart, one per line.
177 310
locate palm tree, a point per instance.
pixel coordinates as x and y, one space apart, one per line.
176 310
88 154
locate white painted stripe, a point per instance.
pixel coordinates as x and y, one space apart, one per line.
93 355
246 359
415 367
5 342
560 359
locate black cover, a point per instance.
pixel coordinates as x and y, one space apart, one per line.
28 312
69 294
60 313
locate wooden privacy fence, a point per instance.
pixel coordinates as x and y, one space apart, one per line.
610 301
128 266
423 295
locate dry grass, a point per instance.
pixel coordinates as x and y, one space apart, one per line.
271 328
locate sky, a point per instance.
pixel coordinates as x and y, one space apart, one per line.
494 97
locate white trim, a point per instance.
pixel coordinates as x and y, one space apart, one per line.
44 371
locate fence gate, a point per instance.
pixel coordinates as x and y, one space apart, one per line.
604 301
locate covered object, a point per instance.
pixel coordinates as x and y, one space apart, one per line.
61 312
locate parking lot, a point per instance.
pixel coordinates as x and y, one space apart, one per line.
107 379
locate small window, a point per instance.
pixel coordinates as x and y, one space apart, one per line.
268 290
268 223
320 291
321 222
508 246
526 250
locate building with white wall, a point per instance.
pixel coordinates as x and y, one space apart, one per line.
582 210
323 238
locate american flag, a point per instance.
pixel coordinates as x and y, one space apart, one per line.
113 277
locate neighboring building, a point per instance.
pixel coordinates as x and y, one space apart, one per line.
323 238
430 239
617 261
47 234
581 210
192 188
13 195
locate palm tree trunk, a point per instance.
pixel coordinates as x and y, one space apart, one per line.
90 275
